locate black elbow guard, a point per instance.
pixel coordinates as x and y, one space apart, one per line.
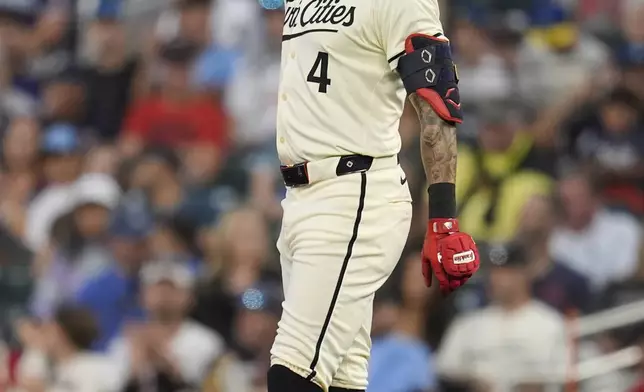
428 70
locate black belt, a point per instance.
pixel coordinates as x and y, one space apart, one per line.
297 175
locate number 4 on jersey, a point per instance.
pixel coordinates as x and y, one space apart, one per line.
322 66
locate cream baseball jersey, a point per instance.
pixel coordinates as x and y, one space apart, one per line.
339 91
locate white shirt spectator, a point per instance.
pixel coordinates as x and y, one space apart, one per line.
607 251
87 372
528 343
194 348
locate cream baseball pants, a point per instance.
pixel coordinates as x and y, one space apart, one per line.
340 240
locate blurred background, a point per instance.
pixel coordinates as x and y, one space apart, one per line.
140 191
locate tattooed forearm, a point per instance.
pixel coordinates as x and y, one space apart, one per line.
437 143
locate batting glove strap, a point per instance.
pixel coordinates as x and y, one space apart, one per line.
443 226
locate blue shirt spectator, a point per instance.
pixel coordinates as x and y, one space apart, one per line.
401 364
113 296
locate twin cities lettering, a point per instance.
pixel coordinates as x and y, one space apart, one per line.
319 12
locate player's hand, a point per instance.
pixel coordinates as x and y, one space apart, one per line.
451 256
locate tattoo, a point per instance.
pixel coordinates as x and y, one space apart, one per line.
437 143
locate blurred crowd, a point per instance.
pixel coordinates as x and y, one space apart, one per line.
140 198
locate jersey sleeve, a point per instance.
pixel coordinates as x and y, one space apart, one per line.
398 19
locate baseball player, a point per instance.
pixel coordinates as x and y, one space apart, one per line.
347 68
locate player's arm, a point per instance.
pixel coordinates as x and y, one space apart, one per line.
429 75
437 143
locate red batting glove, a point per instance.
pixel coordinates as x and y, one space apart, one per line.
452 256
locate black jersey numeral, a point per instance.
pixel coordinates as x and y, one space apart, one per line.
320 66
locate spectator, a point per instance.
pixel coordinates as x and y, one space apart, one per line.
79 243
553 282
113 296
602 245
109 75
174 238
532 342
524 62
62 160
64 98
167 352
20 162
632 46
576 55
238 259
481 72
611 141
401 361
499 174
38 41
244 368
66 342
176 117
255 120
156 173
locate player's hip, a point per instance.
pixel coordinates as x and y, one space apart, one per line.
379 199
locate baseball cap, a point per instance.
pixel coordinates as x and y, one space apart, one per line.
130 223
96 188
60 139
176 273
263 297
510 254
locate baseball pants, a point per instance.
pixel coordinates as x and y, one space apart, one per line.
340 240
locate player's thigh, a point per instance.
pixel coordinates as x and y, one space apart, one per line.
353 371
343 247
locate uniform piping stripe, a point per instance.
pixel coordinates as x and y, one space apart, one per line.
343 270
287 37
396 57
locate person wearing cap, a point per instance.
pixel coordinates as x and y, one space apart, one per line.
78 240
519 340
168 350
499 173
177 117
62 154
113 296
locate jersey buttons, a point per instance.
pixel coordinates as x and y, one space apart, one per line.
292 55
284 97
282 140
